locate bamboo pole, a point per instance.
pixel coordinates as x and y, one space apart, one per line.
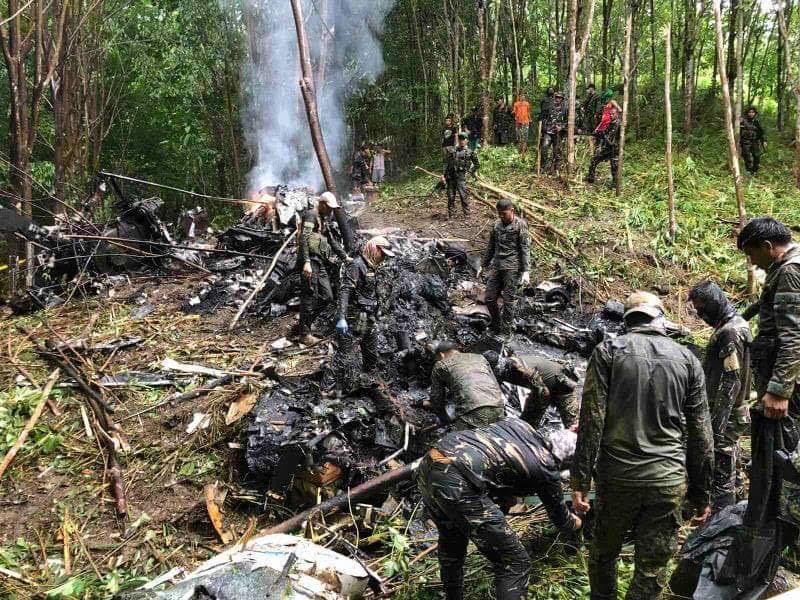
626 85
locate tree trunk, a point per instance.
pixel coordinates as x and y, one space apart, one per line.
689 43
792 74
607 5
576 55
673 226
737 57
626 76
733 153
653 41
484 68
310 100
423 64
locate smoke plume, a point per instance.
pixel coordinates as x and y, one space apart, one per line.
346 33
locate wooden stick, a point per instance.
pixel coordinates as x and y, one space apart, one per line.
262 282
37 412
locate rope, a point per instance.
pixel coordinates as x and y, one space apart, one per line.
182 191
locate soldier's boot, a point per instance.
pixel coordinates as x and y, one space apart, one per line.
614 164
724 485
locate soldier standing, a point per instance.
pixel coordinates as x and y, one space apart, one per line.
548 381
727 372
751 139
545 103
464 390
776 348
522 120
608 149
508 256
467 481
554 128
315 255
458 162
638 389
360 171
358 301
449 134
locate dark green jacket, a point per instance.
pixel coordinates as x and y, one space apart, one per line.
638 388
509 458
466 382
359 290
509 247
776 349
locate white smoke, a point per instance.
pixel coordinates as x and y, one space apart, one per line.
275 123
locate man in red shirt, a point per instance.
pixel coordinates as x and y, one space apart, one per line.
522 118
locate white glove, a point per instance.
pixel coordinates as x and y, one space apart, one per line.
478 274
526 278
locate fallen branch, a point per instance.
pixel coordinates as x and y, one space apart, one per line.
262 282
342 500
99 407
104 238
190 395
37 412
519 199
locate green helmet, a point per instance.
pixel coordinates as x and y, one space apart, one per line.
607 95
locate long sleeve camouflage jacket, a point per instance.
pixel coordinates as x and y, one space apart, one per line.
509 247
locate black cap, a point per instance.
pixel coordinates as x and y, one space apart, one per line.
462 135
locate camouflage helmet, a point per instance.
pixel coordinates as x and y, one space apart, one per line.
645 303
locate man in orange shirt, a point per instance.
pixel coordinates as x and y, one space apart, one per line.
522 118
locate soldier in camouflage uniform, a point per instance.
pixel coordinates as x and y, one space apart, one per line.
548 381
458 162
466 479
638 389
464 390
608 146
751 139
728 382
776 348
358 301
508 257
591 109
554 128
315 259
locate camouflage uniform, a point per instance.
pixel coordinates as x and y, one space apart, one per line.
638 389
316 292
751 139
460 480
591 110
776 348
549 384
554 127
464 391
728 381
508 255
457 163
358 303
607 150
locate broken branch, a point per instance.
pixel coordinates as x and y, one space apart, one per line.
37 412
262 282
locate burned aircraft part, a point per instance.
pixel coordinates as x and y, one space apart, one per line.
245 238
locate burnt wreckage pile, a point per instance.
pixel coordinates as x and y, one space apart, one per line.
339 427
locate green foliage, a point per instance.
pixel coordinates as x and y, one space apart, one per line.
16 406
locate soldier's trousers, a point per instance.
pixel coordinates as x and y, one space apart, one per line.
463 513
654 514
502 283
726 464
751 154
315 294
604 153
480 417
550 150
563 400
364 334
457 187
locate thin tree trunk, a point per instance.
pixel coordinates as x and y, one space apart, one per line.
422 62
517 68
673 226
576 55
484 67
733 153
607 5
689 42
626 76
793 75
737 57
653 41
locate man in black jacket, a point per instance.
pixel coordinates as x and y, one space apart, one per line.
466 479
751 139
